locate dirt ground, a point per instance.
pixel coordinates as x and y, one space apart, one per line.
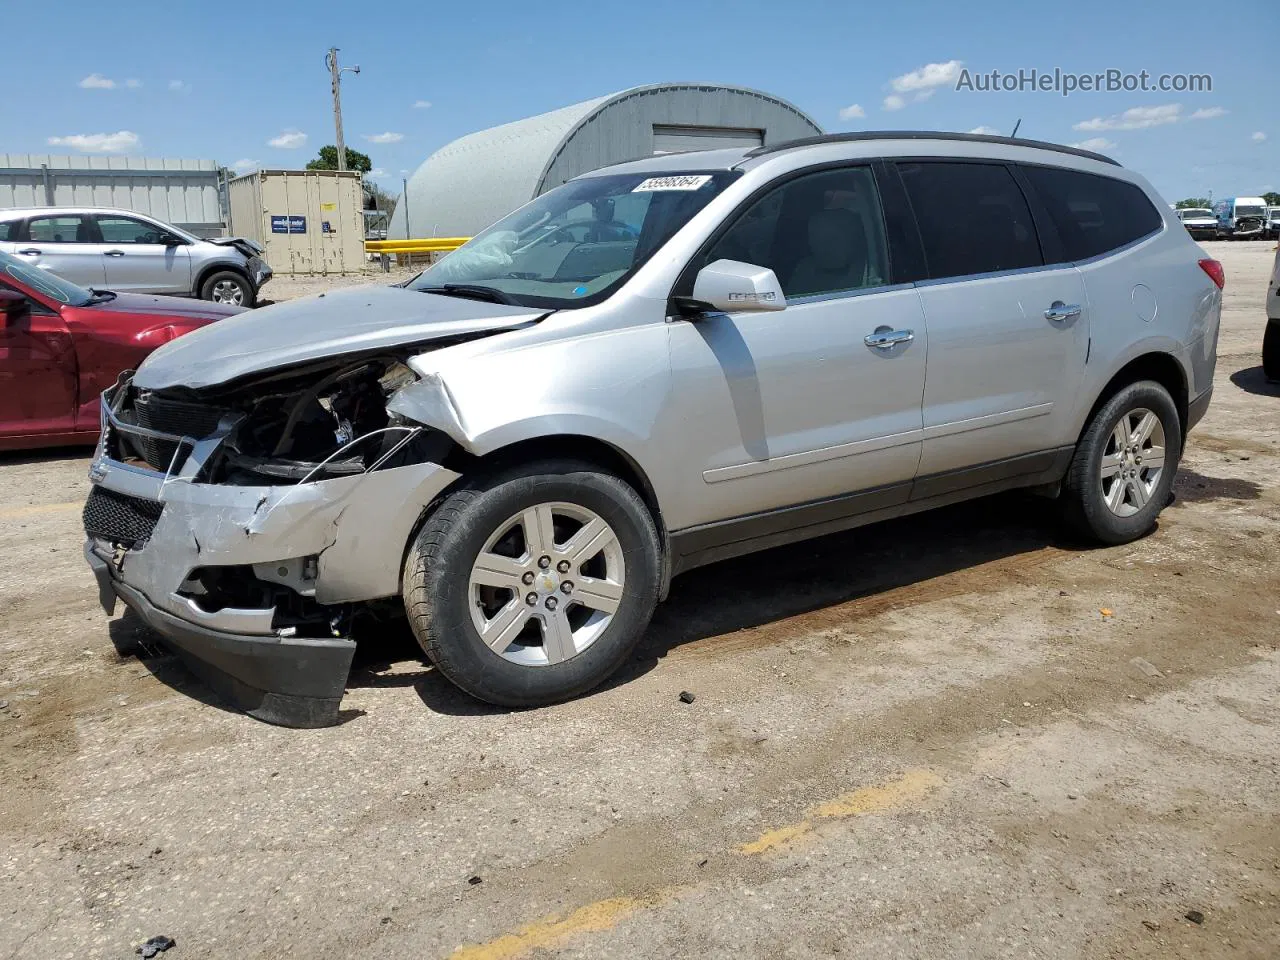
953 736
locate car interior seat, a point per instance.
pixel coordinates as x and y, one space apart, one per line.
837 257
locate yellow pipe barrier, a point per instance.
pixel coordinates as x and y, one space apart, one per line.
427 245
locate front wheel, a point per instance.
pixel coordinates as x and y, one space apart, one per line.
229 287
1123 468
533 586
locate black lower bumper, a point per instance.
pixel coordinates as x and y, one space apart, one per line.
290 681
1197 408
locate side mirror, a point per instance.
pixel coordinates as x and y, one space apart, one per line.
14 307
735 287
169 240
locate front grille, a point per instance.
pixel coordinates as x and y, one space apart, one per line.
195 420
120 518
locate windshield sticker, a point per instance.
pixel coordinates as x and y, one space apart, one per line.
579 291
687 182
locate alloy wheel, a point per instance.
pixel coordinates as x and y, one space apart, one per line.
1133 462
228 291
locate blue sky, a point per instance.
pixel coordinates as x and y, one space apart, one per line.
247 82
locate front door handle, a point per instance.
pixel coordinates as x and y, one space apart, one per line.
30 252
115 253
1059 311
888 339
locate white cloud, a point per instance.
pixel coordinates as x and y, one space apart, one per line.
245 166
179 86
986 131
893 102
96 81
133 83
402 172
1095 143
1136 118
387 137
422 104
377 172
852 112
1258 137
290 139
1207 113
928 77
99 142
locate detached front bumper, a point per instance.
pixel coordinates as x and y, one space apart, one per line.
317 547
287 681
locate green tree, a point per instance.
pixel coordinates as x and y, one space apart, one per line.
1272 198
1193 202
328 160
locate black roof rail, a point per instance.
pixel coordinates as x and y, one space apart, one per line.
925 135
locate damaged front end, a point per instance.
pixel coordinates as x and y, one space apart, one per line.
252 524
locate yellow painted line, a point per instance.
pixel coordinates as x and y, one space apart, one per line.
14 513
911 786
551 931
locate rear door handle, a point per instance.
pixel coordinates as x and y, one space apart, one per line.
30 252
120 253
888 339
1059 311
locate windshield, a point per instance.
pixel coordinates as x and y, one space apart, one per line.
42 281
1196 212
1249 211
576 244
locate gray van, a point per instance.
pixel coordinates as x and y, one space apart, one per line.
654 366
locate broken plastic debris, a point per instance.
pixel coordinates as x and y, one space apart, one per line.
687 697
1105 611
156 945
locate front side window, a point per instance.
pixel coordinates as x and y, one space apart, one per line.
973 218
64 229
821 233
576 244
128 230
1094 215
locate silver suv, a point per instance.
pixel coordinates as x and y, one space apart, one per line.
654 366
128 252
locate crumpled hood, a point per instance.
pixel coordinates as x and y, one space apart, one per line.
329 324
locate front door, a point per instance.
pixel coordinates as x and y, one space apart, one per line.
1008 336
64 244
796 406
138 259
37 373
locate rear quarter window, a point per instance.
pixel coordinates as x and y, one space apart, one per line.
1094 215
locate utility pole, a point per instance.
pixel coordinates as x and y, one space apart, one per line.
335 74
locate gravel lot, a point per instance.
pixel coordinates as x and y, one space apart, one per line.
953 736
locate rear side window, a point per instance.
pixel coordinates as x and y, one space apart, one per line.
1094 215
973 218
65 229
9 231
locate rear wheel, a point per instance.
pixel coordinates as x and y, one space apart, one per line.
1271 350
229 287
1123 468
534 585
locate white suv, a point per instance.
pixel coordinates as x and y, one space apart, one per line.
654 366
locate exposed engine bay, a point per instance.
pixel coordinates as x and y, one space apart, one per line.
316 422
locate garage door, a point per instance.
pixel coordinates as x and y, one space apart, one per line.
671 139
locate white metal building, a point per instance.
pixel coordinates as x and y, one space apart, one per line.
477 179
181 192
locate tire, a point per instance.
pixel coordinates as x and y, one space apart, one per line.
447 608
1271 351
223 283
1142 493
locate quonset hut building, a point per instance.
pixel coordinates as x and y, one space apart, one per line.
477 179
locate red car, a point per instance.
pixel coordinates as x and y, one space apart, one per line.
62 345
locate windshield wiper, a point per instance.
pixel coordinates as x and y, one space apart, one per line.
473 291
101 296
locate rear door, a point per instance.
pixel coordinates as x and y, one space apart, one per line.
1008 335
143 257
65 244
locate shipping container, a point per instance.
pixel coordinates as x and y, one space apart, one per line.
308 221
177 191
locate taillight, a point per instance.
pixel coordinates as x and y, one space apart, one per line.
1214 269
